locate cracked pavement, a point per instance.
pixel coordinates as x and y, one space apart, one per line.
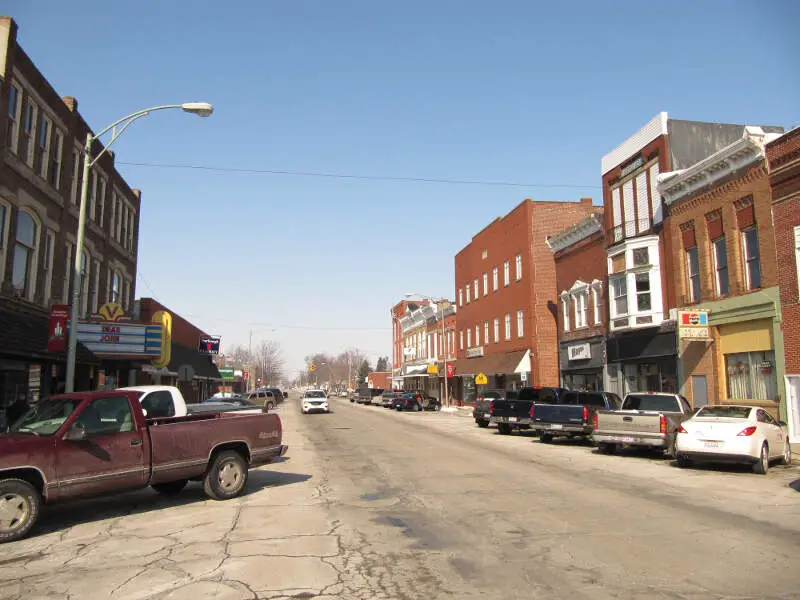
371 504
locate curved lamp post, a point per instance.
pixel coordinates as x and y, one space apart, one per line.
444 344
202 109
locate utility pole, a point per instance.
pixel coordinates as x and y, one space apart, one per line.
349 376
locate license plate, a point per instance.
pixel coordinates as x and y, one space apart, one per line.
713 444
487 415
512 419
556 426
627 440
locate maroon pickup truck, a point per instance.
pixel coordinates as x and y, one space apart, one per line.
79 445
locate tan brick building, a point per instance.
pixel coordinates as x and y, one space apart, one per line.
783 156
721 228
580 261
506 295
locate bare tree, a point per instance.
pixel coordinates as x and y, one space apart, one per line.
269 362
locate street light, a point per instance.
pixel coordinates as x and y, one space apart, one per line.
440 302
201 109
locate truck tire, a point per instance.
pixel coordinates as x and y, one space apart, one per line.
762 466
270 406
170 488
482 423
226 477
20 504
546 437
504 429
606 448
684 462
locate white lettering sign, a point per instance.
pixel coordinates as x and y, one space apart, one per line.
579 352
476 351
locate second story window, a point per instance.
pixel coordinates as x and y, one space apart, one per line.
30 131
43 146
115 293
752 259
520 323
506 273
468 292
692 274
475 288
643 299
508 326
461 340
519 266
494 279
76 170
496 330
23 268
565 310
477 335
469 337
54 173
619 296
581 309
485 284
14 109
486 332
720 266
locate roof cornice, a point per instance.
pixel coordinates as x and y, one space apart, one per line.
583 229
749 149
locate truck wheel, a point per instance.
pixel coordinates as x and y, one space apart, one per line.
170 488
270 406
606 448
684 461
482 423
504 429
20 503
546 437
226 477
762 466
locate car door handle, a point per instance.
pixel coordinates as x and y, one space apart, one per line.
627 418
136 442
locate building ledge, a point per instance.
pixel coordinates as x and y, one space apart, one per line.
762 304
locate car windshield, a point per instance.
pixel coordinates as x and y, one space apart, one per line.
315 394
46 417
654 402
723 412
490 395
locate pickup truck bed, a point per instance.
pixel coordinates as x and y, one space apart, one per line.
510 414
80 445
573 416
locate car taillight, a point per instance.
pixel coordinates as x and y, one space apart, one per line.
747 431
594 421
585 414
280 427
532 407
682 430
491 407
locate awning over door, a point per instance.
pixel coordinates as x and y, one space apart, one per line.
518 361
416 370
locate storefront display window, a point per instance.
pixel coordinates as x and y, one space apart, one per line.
583 381
751 376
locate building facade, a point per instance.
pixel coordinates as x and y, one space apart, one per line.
783 156
40 179
425 352
721 226
505 291
580 262
641 342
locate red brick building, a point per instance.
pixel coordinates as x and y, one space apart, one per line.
721 229
506 295
380 379
205 377
783 156
580 262
641 344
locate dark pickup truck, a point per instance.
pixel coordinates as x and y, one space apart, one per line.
482 413
79 445
516 413
570 413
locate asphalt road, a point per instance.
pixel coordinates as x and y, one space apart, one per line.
372 504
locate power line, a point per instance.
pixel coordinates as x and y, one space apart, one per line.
358 177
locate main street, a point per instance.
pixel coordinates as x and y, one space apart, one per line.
374 504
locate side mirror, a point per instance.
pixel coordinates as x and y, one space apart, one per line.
144 411
75 433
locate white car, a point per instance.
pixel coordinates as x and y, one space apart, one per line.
733 434
314 401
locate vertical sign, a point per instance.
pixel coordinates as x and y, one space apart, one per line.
57 331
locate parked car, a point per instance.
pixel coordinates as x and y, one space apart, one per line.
388 397
645 419
515 413
265 398
570 414
278 394
74 446
366 394
407 401
314 401
733 434
482 411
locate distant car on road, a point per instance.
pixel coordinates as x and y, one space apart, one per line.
733 434
314 401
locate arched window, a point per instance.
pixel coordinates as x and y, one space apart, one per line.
23 272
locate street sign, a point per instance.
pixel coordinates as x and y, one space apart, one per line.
226 373
524 377
208 345
481 379
312 367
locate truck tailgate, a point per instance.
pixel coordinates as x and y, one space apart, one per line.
558 413
512 408
624 421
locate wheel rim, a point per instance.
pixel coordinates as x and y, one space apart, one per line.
13 511
230 476
764 461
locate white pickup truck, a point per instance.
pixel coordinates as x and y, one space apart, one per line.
167 401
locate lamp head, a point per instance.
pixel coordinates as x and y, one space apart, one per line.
201 109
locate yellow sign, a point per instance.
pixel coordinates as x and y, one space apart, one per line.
111 311
481 379
163 318
312 367
433 370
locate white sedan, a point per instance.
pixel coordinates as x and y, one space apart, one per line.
314 401
733 434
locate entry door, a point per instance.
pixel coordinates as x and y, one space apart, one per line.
631 378
699 390
793 407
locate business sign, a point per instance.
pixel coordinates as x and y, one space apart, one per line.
57 331
693 325
433 370
163 318
451 369
476 351
208 345
226 373
579 351
120 339
481 379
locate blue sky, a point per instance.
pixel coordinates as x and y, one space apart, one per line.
509 91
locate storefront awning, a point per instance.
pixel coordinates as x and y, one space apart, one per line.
200 363
416 370
495 364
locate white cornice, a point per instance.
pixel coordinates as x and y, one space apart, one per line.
580 231
747 150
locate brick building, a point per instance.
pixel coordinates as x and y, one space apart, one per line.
506 294
783 156
721 226
205 377
580 262
41 137
642 339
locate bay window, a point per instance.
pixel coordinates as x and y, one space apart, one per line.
619 296
643 299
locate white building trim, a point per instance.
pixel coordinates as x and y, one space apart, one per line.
580 231
654 129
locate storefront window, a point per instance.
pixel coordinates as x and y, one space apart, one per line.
751 376
583 381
